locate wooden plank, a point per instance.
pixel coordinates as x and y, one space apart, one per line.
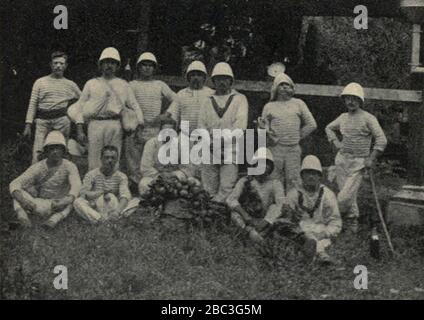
315 90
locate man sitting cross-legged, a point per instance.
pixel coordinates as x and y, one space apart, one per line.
256 201
105 194
48 187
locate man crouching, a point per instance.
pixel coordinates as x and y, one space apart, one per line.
316 207
48 187
105 194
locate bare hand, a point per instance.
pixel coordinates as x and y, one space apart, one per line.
337 144
369 163
27 131
114 214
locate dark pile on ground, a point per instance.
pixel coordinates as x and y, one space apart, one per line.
142 257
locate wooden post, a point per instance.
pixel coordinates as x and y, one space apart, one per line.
143 26
416 135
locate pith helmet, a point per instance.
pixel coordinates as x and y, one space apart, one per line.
354 89
55 138
110 53
147 56
222 69
311 163
196 66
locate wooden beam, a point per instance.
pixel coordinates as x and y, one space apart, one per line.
314 90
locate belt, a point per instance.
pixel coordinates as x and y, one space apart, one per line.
51 114
117 117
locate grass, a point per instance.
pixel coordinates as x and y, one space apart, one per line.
142 258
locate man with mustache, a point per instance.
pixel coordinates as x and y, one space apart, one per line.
291 121
150 94
50 97
187 104
358 128
102 102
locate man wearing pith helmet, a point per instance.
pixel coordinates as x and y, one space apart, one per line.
48 187
291 121
150 94
315 207
358 128
102 102
225 109
187 104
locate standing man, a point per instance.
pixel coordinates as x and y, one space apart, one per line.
358 128
150 94
102 102
187 104
225 109
105 194
50 97
291 121
49 187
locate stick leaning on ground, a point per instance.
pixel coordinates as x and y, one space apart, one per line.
380 214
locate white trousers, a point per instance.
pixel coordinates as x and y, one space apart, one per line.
99 210
219 179
272 214
349 174
317 232
100 134
43 208
42 129
287 164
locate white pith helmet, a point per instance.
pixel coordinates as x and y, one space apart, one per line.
110 53
279 79
354 89
55 137
147 56
222 69
311 162
196 66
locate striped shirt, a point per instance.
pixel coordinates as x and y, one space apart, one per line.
149 95
95 180
270 192
50 93
107 103
291 120
187 105
49 183
358 130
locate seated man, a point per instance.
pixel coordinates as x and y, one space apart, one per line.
49 187
256 201
316 207
151 166
105 194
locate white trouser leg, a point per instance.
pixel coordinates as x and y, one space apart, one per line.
228 175
349 177
210 178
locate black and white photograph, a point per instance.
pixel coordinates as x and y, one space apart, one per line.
235 151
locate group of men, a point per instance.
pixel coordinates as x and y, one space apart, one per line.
51 187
